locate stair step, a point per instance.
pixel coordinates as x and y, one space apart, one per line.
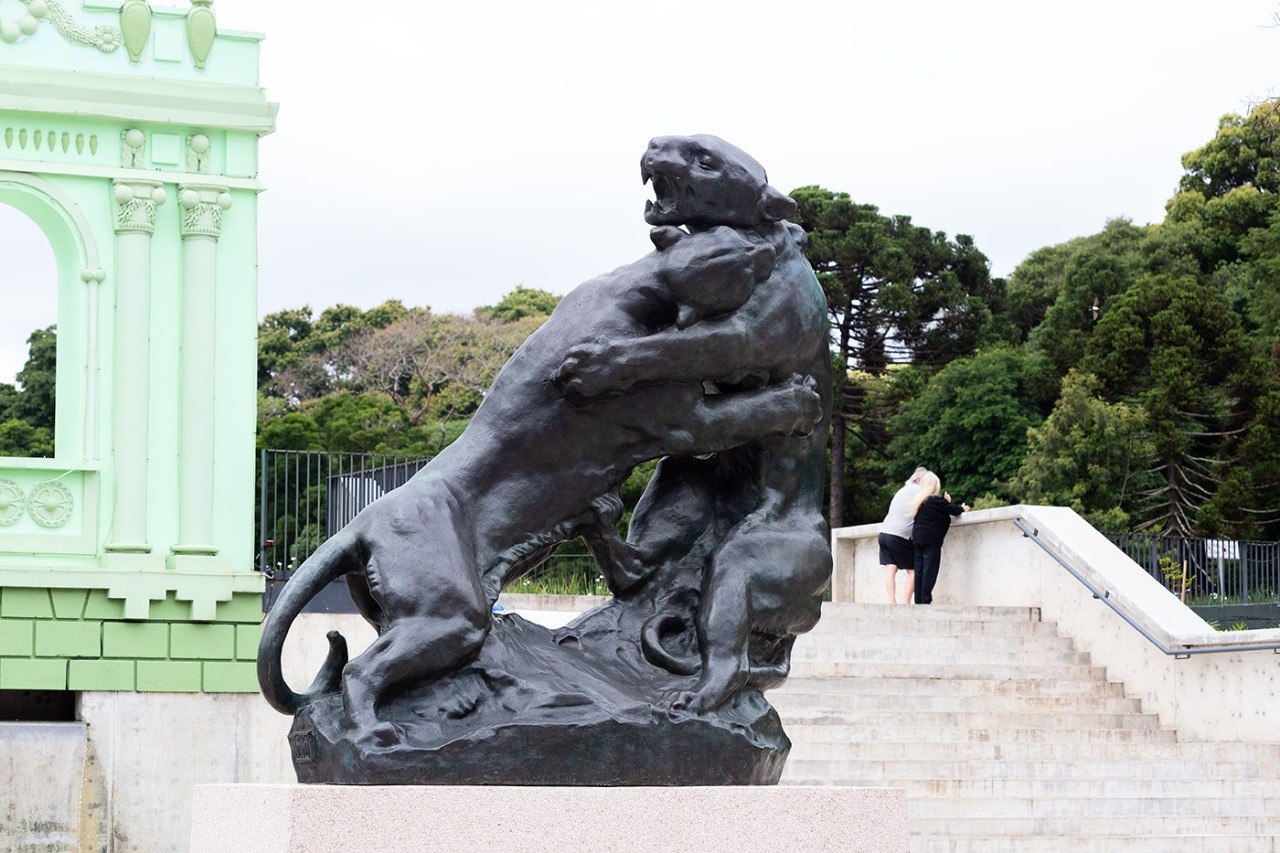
811 762
908 687
1131 826
1002 735
910 722
1054 843
1006 737
892 624
1070 806
815 742
938 656
943 642
931 612
1184 790
950 672
786 701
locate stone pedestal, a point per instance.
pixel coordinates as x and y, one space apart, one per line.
319 818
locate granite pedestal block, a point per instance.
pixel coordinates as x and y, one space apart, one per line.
319 818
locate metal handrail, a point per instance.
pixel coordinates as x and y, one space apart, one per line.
1105 598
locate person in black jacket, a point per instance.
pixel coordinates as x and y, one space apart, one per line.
932 519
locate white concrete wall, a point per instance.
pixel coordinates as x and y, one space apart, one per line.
41 806
1232 696
147 750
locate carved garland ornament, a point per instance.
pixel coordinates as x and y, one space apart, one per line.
133 144
104 38
198 147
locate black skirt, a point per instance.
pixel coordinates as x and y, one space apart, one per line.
896 551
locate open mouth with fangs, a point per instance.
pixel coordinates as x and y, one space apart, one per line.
666 192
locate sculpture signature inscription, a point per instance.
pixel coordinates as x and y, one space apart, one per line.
709 353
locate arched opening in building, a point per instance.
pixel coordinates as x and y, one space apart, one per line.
28 336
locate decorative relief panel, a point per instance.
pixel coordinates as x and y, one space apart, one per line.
198 147
133 148
50 504
51 140
13 503
135 26
202 29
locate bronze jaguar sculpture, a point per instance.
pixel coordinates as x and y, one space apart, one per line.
709 352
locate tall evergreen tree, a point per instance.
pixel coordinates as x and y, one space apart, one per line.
896 293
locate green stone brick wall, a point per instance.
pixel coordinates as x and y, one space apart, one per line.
76 639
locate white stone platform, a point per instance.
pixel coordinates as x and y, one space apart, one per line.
319 818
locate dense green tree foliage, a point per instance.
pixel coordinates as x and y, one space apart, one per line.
38 378
390 379
1154 350
1245 152
396 380
1083 273
27 408
1245 503
896 293
1088 454
1257 293
969 424
521 303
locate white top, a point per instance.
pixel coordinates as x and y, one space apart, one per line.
896 521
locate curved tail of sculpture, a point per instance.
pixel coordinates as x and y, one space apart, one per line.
651 636
331 561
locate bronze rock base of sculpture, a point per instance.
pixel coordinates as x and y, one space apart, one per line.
549 708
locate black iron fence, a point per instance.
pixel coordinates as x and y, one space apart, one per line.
1205 572
305 497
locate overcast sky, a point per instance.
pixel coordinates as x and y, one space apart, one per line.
442 153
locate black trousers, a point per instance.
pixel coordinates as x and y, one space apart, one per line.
928 558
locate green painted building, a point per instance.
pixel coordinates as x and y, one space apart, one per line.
130 136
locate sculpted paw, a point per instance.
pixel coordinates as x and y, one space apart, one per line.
627 582
675 700
467 697
608 510
807 402
382 734
698 701
588 371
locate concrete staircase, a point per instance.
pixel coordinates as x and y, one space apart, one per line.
1007 738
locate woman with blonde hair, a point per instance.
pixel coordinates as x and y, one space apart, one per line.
896 551
932 514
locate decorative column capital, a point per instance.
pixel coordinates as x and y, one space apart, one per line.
202 209
136 203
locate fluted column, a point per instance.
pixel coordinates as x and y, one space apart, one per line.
202 211
135 222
